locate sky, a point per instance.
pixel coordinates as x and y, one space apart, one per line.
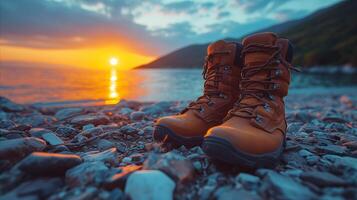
87 33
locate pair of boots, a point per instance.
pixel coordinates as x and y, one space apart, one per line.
240 119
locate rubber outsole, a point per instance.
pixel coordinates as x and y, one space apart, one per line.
165 135
223 151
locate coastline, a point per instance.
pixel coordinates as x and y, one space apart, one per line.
106 145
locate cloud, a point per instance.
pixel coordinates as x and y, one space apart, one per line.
151 27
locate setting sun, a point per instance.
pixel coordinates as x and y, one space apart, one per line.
113 61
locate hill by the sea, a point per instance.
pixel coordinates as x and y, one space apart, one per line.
327 37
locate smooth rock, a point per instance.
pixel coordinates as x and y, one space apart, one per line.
7 124
332 149
52 138
108 156
38 132
119 179
95 119
9 106
87 127
247 180
323 179
156 109
35 119
173 164
125 111
138 115
104 144
342 163
68 112
42 163
230 193
65 131
85 173
278 186
18 148
35 189
149 185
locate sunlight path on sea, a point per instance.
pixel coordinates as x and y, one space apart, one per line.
113 96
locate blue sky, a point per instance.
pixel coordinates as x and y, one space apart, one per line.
156 26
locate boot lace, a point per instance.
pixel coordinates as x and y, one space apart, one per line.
248 83
210 90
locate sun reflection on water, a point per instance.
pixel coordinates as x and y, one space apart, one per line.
113 96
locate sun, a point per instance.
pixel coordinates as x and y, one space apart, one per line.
113 61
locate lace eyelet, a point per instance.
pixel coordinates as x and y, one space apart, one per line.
267 107
278 73
211 103
277 61
223 96
276 86
259 119
271 97
226 68
202 110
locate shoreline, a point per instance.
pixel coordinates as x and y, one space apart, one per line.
99 152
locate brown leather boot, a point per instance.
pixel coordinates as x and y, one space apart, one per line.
253 133
221 90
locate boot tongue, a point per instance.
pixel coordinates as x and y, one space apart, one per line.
220 46
256 58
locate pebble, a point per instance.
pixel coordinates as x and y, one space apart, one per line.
95 119
68 112
323 179
85 173
9 106
43 164
40 188
18 148
108 156
65 131
38 132
149 185
119 179
52 139
278 186
138 115
230 193
173 164
87 127
104 144
247 180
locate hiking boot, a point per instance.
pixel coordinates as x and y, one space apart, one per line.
221 90
253 133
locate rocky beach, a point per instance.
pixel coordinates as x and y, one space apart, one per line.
107 152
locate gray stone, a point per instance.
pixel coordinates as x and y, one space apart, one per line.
138 115
18 148
104 144
108 156
85 173
52 138
157 108
38 132
323 179
35 189
7 124
173 164
149 185
230 193
278 186
65 131
43 164
9 106
68 112
87 127
332 149
125 111
247 180
35 119
95 119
